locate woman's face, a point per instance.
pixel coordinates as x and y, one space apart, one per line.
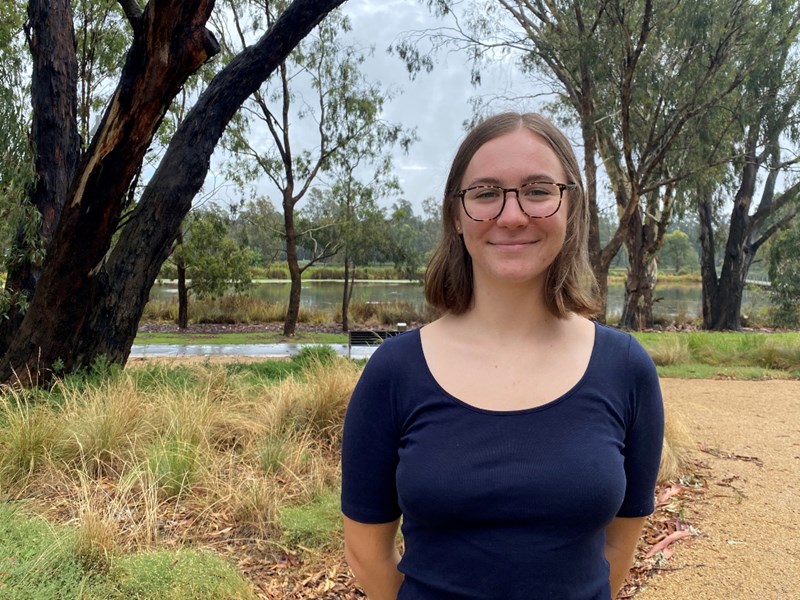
513 247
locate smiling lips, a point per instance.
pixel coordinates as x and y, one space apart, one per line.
513 243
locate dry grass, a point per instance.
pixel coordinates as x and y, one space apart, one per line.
166 456
673 350
678 442
159 456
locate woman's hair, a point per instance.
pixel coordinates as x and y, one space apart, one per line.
571 286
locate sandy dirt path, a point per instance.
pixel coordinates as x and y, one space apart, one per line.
748 520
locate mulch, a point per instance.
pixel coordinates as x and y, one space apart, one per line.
324 575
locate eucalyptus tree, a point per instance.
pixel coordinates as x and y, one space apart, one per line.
361 175
207 259
20 222
98 267
257 224
633 76
345 216
102 35
784 275
55 150
321 86
766 115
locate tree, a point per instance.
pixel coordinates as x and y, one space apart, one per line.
784 275
345 108
358 223
259 226
406 235
634 77
16 170
206 255
101 36
767 117
677 252
98 270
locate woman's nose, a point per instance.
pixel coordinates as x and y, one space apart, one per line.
512 214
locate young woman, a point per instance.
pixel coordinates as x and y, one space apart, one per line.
517 440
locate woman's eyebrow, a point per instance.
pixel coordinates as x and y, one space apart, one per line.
487 180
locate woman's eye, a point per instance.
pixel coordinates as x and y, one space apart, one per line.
539 191
488 194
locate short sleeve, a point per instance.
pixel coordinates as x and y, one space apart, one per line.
370 445
644 434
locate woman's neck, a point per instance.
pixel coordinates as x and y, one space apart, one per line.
511 310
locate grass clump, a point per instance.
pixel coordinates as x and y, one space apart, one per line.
164 575
36 561
173 465
27 436
315 524
677 443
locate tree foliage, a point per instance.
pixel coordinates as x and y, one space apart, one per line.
677 253
766 149
214 261
784 276
320 114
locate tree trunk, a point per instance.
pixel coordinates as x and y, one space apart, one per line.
727 306
708 264
599 267
295 274
347 292
730 289
637 311
183 299
113 292
602 292
183 293
54 136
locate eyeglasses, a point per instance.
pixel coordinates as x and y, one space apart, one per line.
538 199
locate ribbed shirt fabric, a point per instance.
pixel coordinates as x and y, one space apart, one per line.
503 505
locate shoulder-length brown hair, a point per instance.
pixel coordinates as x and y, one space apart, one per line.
571 286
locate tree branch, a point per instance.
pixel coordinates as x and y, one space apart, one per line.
133 12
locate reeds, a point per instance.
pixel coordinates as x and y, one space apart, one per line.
242 309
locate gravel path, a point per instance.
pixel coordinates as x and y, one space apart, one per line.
748 520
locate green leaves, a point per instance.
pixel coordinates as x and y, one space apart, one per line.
213 260
784 275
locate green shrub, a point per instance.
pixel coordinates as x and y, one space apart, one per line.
316 524
163 575
36 561
311 355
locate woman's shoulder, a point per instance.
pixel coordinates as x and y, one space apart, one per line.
396 352
620 346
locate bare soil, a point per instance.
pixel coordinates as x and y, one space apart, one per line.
746 521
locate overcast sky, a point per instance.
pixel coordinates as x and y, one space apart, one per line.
436 104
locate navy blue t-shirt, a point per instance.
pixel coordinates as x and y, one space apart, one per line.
503 504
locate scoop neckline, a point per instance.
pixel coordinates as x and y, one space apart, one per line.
488 411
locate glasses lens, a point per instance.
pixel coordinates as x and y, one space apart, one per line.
483 202
540 199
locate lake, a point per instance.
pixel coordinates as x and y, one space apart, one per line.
675 300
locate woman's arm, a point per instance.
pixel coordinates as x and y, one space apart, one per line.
371 551
621 537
